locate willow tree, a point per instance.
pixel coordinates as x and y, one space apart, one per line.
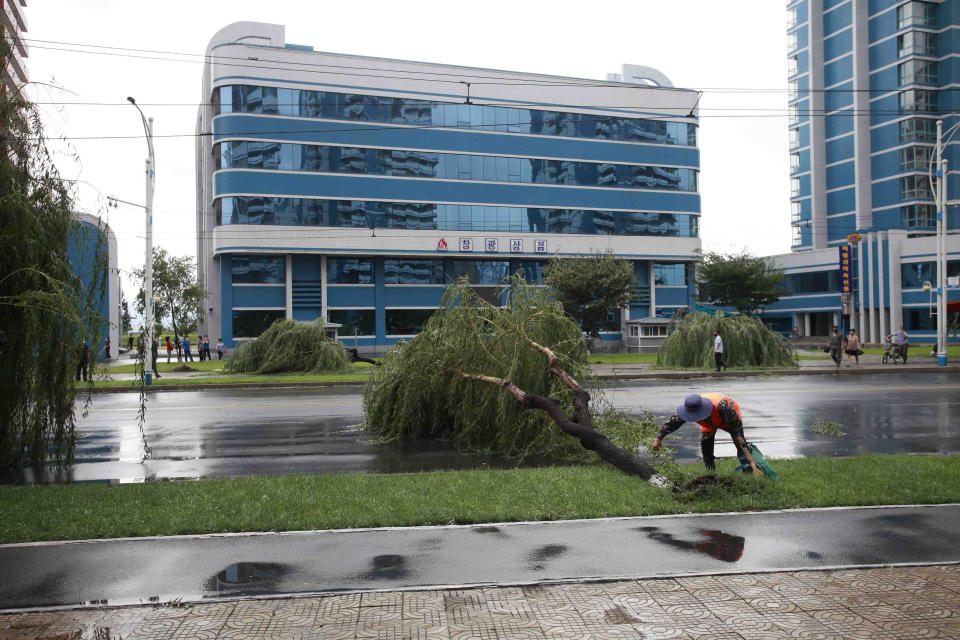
288 346
475 372
47 309
747 343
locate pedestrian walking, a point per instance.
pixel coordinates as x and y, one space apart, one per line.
835 345
853 347
711 411
902 339
84 363
718 350
169 349
153 357
129 343
220 348
106 348
206 348
179 347
200 347
186 349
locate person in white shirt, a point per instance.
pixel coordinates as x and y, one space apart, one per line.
718 350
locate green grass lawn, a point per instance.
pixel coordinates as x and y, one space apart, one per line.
238 379
622 358
288 503
919 350
164 367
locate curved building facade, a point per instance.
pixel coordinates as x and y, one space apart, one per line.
354 189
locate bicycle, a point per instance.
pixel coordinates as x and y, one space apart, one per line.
892 353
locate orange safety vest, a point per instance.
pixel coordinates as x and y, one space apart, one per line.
714 421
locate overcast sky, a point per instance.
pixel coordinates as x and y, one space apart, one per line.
735 51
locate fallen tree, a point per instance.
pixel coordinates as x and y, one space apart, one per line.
580 424
528 348
290 346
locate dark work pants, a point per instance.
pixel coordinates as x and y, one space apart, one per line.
718 358
706 444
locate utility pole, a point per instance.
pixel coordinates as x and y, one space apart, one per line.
941 248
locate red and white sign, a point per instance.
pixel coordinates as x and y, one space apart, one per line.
442 245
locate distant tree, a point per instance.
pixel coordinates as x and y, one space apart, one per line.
126 321
742 281
177 295
588 287
48 306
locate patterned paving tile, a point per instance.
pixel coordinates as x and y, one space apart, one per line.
881 604
393 599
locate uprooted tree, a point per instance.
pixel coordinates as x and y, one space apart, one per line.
449 381
289 346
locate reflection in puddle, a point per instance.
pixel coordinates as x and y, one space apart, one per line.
247 577
715 544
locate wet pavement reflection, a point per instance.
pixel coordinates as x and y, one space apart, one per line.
236 433
197 568
715 544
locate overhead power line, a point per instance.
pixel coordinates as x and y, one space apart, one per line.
490 77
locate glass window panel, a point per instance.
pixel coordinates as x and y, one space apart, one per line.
354 322
403 322
402 271
482 272
258 269
918 215
412 215
250 323
349 271
312 104
914 274
670 275
532 270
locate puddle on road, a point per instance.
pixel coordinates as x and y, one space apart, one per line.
387 567
716 544
245 578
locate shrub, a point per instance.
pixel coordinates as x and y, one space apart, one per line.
290 346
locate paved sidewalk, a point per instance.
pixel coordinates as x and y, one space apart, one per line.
899 603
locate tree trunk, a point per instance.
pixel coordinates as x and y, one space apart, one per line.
356 357
581 425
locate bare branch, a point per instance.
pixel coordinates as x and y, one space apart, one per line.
555 366
589 438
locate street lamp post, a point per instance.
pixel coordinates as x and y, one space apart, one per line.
941 202
148 260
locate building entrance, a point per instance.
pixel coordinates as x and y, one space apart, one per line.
821 323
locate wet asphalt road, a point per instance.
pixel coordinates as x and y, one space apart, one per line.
269 432
196 568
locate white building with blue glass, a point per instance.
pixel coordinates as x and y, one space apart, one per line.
868 80
354 189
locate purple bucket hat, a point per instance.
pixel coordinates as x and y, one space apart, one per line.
695 408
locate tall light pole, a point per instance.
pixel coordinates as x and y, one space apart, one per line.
942 244
148 260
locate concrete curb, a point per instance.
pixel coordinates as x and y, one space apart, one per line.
685 375
631 375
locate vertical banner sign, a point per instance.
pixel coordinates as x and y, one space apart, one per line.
846 269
